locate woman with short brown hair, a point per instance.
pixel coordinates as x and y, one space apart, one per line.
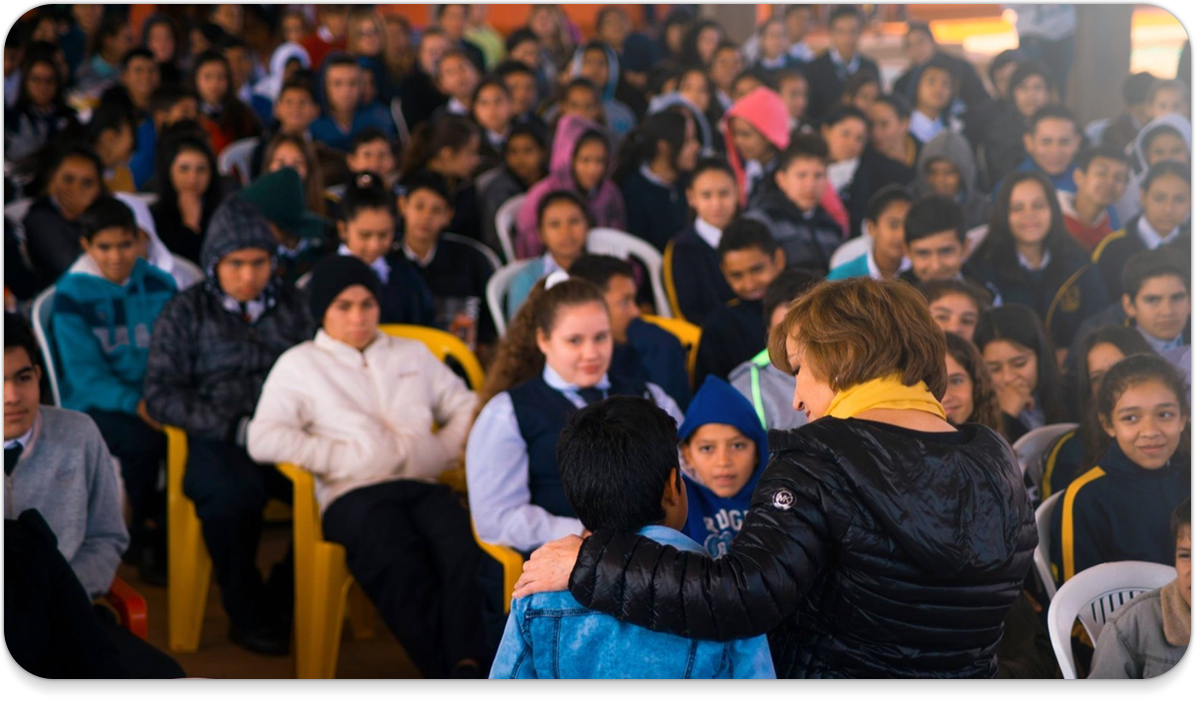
881 541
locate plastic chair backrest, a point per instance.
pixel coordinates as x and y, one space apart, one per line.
16 211
606 241
43 309
497 288
975 237
850 250
442 344
192 268
687 334
506 218
1033 445
1093 596
400 121
237 156
492 258
1041 557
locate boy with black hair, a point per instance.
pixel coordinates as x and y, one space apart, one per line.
792 87
105 306
294 111
456 78
343 114
371 151
456 269
522 83
1157 298
56 465
885 258
169 104
1124 128
827 75
210 352
750 260
241 66
453 20
1051 140
1100 176
1167 97
620 471
767 387
723 70
140 77
641 351
792 210
935 237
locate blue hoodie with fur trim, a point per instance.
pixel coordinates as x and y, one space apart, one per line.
714 521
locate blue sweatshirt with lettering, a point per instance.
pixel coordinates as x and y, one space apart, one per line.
714 521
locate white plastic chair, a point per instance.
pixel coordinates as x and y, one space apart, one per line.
1094 131
1041 556
237 156
850 250
506 218
15 213
606 241
192 269
43 308
492 258
1093 596
497 289
400 121
1032 447
975 238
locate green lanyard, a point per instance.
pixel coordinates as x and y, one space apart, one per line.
759 361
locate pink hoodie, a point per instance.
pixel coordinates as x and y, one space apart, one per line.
766 113
604 202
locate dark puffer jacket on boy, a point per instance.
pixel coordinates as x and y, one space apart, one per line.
807 240
207 363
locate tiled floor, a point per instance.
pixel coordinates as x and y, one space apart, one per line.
378 657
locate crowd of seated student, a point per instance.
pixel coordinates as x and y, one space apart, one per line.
1047 254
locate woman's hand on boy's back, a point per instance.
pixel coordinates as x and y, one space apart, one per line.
549 567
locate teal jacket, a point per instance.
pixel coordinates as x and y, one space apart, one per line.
101 334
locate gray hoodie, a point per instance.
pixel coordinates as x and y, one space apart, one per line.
1127 206
952 147
67 475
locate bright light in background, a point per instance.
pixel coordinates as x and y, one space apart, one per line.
1157 39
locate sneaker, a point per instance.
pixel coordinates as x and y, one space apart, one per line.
263 640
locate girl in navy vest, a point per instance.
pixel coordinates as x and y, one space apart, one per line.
553 361
1118 510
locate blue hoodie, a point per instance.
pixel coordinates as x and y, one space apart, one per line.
714 521
620 118
101 334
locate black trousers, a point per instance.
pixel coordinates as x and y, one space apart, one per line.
141 450
230 492
409 545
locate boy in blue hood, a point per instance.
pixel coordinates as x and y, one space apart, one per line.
724 450
104 308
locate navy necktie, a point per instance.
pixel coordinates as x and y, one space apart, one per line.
591 395
11 455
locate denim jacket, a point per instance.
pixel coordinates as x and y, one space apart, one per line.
549 635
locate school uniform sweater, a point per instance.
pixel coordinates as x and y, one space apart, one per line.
732 335
692 275
655 211
654 355
405 298
827 76
326 130
1115 250
808 239
101 333
66 474
1118 510
458 269
356 419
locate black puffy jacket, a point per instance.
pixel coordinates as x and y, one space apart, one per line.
868 551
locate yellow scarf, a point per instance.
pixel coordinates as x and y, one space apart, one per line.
888 393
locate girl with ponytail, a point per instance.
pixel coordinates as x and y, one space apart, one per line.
554 360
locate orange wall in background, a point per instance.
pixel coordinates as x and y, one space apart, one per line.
507 18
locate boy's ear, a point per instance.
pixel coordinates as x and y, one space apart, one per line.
1128 305
341 229
673 491
84 243
1078 176
1028 140
779 258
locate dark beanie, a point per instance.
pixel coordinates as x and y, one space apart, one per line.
333 275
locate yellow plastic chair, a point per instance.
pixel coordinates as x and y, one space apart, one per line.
687 334
189 568
323 586
323 583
